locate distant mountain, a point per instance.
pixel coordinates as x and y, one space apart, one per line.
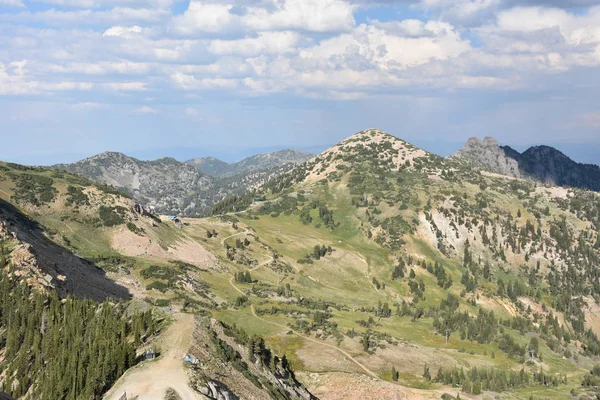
260 162
166 183
190 188
488 155
209 165
541 163
549 165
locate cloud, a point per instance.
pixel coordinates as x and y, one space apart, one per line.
116 15
264 43
584 121
126 86
122 31
12 3
147 110
88 106
109 3
303 15
189 82
576 29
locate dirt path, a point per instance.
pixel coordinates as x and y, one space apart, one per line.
355 361
244 232
270 260
151 381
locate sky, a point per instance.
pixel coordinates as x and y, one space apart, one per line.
154 78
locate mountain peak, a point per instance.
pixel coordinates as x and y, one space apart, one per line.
371 145
488 155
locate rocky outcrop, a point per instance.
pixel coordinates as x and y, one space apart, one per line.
219 377
489 156
23 262
217 391
34 258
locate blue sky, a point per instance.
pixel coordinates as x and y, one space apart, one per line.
156 78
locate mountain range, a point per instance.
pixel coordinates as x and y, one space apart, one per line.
189 188
373 270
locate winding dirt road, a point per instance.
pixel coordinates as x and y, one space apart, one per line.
151 381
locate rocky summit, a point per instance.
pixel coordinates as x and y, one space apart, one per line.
488 155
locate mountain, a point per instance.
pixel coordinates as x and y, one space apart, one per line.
488 155
373 270
466 271
260 162
209 165
164 184
191 188
551 166
541 163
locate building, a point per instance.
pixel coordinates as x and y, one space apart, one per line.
149 354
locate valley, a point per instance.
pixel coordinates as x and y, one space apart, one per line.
374 270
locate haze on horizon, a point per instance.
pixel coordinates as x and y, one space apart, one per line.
230 79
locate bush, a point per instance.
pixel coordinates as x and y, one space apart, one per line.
161 287
111 216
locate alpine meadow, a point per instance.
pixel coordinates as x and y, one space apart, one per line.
192 207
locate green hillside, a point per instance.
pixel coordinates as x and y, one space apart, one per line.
375 268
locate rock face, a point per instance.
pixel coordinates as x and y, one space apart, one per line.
488 155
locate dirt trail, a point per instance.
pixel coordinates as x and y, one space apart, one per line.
354 360
244 232
364 368
151 381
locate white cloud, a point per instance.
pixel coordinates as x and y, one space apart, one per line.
99 68
88 106
126 86
264 43
12 3
116 15
147 110
189 82
108 3
309 15
576 29
305 15
464 11
122 30
370 46
191 112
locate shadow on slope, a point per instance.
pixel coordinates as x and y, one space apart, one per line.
83 278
